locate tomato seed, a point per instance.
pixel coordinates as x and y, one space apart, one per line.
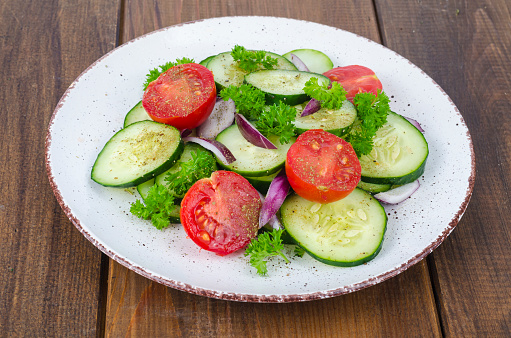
198 92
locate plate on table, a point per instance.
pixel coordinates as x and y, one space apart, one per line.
94 107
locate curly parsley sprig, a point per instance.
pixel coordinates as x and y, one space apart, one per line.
157 207
278 120
156 72
266 245
329 97
201 165
248 99
252 60
372 114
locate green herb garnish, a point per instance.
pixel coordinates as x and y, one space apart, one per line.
372 114
330 98
252 60
248 99
156 72
264 246
157 207
201 165
278 120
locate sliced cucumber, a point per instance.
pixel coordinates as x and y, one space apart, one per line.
143 188
136 154
136 114
374 188
283 85
316 61
348 232
399 153
337 122
227 72
252 160
185 156
206 61
261 183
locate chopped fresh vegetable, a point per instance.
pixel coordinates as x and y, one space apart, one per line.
156 72
266 245
298 63
158 207
217 148
276 195
201 165
331 96
312 106
251 134
278 120
372 114
221 117
399 194
252 60
249 100
355 79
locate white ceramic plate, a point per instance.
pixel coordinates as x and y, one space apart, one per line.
94 106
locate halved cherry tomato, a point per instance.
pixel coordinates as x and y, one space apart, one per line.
322 167
221 213
183 96
355 79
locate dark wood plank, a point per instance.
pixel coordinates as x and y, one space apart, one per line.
49 272
465 47
402 306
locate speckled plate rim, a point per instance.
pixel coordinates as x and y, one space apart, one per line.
248 297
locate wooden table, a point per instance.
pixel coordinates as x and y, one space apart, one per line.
55 283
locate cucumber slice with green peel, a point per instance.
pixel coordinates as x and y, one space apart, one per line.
374 188
136 114
206 61
398 156
316 61
227 72
337 122
283 85
185 156
261 183
348 232
136 154
143 188
251 160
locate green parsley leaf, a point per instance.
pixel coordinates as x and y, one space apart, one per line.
159 206
330 98
372 114
299 251
156 72
201 165
248 99
252 60
264 246
278 120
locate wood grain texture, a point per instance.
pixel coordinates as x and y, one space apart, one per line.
466 46
402 306
49 273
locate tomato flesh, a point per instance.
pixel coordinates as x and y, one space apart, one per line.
322 167
355 79
221 213
183 96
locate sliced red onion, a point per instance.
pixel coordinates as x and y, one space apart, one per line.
311 107
275 196
275 223
251 134
217 148
399 194
298 63
415 124
186 132
221 117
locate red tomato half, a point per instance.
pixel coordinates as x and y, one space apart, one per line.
221 213
322 167
355 79
183 96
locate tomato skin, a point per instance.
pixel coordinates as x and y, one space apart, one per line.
355 79
183 96
221 213
322 167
